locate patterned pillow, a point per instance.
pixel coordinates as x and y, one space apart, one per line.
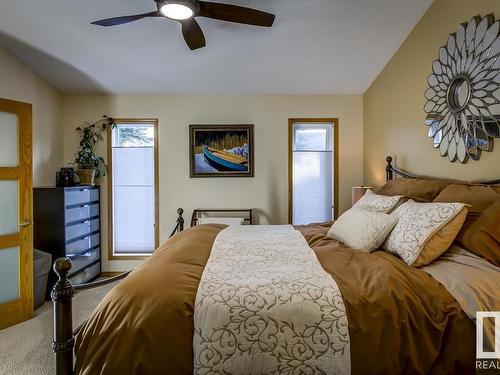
425 230
361 229
483 237
377 203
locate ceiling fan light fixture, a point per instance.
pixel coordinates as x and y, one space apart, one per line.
185 11
177 11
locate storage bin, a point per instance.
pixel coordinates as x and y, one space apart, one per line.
41 267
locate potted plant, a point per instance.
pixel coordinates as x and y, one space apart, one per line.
90 166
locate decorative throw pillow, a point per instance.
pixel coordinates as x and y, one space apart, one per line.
478 197
377 203
483 237
418 189
361 229
425 230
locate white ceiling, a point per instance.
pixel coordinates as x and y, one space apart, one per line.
314 47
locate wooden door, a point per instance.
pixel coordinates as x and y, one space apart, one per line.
16 230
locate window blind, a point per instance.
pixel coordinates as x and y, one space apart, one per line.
133 193
312 155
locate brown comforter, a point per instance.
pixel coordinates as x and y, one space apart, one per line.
401 321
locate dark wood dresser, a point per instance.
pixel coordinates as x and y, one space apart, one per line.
66 224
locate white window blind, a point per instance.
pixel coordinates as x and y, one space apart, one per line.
312 154
133 176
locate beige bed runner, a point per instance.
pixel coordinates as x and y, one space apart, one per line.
266 306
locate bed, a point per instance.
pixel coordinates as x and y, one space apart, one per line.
371 312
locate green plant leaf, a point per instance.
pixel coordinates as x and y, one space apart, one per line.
90 135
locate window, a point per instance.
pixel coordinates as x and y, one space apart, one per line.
133 196
313 170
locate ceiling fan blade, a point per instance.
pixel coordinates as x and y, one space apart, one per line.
125 19
235 13
193 35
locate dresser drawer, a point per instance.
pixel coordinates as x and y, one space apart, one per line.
81 213
81 229
82 244
86 275
78 196
83 260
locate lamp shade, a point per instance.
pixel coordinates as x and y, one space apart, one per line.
358 192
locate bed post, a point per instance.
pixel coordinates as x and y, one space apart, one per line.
388 169
180 219
61 295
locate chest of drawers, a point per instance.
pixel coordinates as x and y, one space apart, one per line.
67 224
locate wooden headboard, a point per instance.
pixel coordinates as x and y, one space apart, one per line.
390 173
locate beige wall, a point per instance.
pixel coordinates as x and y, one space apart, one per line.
19 83
393 105
268 191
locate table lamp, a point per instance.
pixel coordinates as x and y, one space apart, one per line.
358 192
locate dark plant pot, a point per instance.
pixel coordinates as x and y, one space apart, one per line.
87 176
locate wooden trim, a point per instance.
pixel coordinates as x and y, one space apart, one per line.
335 123
9 173
155 122
157 186
109 186
290 170
21 309
9 312
11 240
26 208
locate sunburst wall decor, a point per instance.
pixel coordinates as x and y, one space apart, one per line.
463 97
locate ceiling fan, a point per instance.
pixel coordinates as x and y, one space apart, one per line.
185 11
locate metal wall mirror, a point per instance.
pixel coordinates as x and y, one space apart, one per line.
463 97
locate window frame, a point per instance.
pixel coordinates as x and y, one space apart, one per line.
335 154
124 121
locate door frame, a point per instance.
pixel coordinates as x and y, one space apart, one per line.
19 310
335 122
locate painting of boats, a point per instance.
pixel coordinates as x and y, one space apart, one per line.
221 150
226 161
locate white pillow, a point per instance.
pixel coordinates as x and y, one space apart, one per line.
412 237
362 229
221 220
377 203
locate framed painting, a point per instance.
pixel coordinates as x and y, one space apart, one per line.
221 151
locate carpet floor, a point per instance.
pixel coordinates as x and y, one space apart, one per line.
25 348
